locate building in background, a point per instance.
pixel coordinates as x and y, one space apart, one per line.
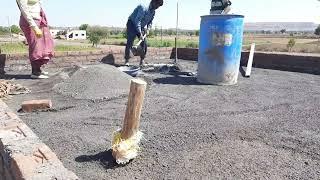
55 32
76 35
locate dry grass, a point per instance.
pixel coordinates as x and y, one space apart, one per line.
19 47
279 44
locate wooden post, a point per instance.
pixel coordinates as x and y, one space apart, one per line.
134 107
250 60
176 39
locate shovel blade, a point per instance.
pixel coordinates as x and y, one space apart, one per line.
137 51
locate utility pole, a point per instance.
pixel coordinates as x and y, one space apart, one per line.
10 29
161 34
176 39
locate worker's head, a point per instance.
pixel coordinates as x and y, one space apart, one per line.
155 4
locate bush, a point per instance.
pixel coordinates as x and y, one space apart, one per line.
4 30
317 31
15 29
151 33
192 45
197 32
95 39
98 31
166 44
291 44
283 31
124 34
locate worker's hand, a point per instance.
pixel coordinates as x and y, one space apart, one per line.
141 37
38 32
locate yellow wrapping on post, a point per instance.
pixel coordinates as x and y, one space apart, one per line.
124 150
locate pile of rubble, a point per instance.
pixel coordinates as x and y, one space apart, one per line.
8 88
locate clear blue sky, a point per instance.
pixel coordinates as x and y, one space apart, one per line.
115 13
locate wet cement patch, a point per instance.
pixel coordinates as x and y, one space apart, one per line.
267 126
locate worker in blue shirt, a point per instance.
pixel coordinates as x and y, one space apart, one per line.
141 17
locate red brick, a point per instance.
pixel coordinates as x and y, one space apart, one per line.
29 106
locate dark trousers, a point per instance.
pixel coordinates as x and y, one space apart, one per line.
131 35
36 65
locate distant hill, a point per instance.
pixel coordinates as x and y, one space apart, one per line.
277 26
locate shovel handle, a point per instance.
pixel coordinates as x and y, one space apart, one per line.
144 36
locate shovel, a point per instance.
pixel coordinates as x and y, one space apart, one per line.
137 50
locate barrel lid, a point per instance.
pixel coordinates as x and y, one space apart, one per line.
222 16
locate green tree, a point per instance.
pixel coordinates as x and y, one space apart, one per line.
283 31
15 29
157 31
124 33
99 31
291 44
84 27
95 39
171 32
151 33
96 34
317 31
197 32
4 30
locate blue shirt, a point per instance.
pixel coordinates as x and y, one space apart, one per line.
142 16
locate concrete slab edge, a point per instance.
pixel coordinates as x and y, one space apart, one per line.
23 155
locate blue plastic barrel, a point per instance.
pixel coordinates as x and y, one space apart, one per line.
220 49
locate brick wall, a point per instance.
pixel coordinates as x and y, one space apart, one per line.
114 54
110 55
186 54
22 154
295 62
285 61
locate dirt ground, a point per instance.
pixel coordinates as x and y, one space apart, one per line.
266 127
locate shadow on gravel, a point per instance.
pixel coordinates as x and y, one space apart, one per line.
13 76
242 71
178 80
105 158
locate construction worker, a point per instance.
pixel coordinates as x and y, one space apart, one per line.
141 17
34 24
220 6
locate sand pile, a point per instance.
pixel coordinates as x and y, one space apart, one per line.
95 82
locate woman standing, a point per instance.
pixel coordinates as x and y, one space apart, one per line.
33 23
